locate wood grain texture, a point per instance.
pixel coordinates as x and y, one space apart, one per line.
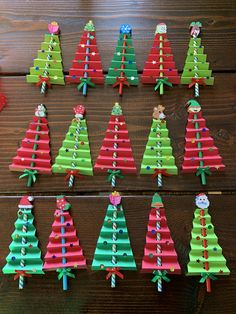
90 292
23 24
219 109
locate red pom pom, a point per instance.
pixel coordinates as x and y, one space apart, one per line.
3 101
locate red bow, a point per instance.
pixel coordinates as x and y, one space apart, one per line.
114 270
200 81
43 79
160 171
122 81
21 273
74 173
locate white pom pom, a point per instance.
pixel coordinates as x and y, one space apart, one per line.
30 198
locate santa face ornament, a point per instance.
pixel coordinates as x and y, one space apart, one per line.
202 201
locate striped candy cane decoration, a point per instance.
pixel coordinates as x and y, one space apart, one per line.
195 59
74 156
115 146
159 163
86 65
24 239
45 73
114 248
159 262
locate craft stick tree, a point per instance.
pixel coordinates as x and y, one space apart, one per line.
48 68
33 157
24 259
201 156
205 257
74 156
86 68
160 68
123 69
3 101
160 256
63 250
196 69
113 252
158 158
115 156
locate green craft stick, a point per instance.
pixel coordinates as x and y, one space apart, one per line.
128 57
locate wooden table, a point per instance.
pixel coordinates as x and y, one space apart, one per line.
23 24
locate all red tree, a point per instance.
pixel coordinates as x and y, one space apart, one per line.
160 67
86 68
115 156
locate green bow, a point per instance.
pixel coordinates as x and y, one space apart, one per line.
162 81
116 173
160 274
64 272
205 170
205 276
29 173
85 80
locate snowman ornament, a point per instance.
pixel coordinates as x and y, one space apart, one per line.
161 28
40 111
202 201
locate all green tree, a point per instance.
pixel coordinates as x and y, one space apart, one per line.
158 159
205 257
48 68
196 70
74 156
24 259
123 69
113 252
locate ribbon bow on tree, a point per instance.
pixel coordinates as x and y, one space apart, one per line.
85 80
160 171
74 173
43 79
160 274
116 173
21 273
200 81
162 81
114 270
29 173
205 276
122 81
203 170
64 272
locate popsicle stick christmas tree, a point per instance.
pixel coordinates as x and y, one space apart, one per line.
160 68
63 250
24 259
115 156
160 256
205 257
86 68
3 101
113 252
158 159
48 68
33 157
123 69
74 156
201 156
196 68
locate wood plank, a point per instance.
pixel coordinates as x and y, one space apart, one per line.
90 292
23 25
218 105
